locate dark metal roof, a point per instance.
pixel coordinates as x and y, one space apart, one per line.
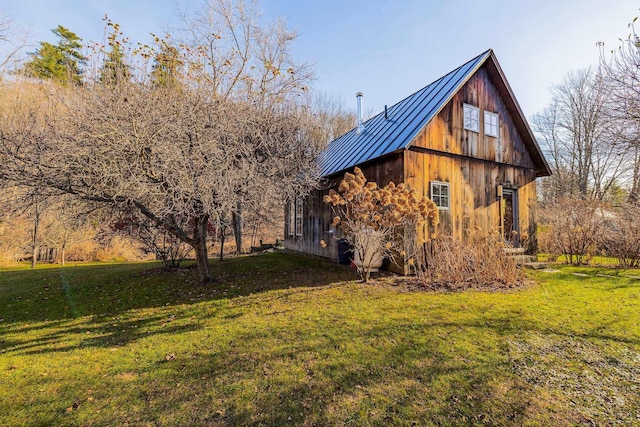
408 117
404 121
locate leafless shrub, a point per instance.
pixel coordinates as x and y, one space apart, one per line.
574 228
120 248
621 239
170 250
478 263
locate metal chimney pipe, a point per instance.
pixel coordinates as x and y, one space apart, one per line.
360 125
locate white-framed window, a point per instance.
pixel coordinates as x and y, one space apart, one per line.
298 216
491 124
292 218
471 116
440 194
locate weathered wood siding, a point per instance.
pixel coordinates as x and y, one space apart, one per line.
445 132
474 206
473 163
318 215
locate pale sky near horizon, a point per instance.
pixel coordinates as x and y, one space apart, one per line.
387 49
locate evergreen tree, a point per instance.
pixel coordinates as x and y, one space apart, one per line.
166 66
115 68
61 62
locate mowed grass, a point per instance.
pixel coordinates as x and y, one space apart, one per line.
285 339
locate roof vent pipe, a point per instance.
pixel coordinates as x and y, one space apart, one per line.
360 125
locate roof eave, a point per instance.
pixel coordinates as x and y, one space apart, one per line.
542 167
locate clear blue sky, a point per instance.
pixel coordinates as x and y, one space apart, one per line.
388 49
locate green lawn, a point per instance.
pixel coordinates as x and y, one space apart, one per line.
285 339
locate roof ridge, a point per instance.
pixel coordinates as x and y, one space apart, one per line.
419 90
382 135
475 58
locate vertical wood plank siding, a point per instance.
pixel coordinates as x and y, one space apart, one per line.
473 164
318 215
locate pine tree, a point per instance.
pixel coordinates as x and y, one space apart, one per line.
166 66
115 68
61 62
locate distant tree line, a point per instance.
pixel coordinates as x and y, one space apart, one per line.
591 135
590 132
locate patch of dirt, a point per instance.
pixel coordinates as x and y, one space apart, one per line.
597 381
127 376
414 284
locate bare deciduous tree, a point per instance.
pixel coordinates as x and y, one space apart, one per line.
237 56
12 42
67 223
230 134
586 158
621 75
334 118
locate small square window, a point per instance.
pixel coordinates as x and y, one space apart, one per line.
491 124
471 117
440 194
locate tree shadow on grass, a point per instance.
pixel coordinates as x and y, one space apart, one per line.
332 369
96 333
391 374
70 292
333 382
56 310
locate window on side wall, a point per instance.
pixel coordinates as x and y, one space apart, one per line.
440 194
491 124
292 218
298 216
471 117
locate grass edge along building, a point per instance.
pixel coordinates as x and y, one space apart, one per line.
462 141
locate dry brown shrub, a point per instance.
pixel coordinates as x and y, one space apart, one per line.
621 239
83 251
121 249
374 219
479 263
573 228
14 237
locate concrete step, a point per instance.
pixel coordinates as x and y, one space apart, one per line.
535 265
513 251
523 259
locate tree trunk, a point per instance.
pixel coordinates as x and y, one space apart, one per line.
34 241
62 255
634 194
222 239
200 247
34 255
236 218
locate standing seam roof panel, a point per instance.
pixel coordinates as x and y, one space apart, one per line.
406 119
422 113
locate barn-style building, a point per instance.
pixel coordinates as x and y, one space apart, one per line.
462 140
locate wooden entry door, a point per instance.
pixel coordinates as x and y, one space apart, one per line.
510 229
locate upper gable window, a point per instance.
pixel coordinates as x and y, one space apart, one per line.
471 118
491 124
